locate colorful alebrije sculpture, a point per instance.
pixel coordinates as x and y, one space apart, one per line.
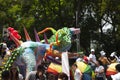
29 52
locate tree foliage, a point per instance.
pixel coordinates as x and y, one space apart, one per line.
61 13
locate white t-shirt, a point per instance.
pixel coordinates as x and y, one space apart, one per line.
93 57
20 77
116 76
98 69
77 75
78 59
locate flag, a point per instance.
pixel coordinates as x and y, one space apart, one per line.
65 64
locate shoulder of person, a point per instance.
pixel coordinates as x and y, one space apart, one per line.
20 77
116 76
99 58
78 70
105 58
32 73
90 55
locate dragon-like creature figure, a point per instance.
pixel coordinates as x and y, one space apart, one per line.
28 53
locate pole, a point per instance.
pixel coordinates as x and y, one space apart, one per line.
77 35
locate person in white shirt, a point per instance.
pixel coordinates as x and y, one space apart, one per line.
77 72
92 59
116 76
99 71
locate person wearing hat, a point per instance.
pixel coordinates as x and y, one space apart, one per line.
104 59
92 59
113 58
85 59
4 51
99 71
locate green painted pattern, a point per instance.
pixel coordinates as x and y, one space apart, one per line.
64 37
12 58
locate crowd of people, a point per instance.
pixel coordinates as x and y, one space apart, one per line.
98 65
39 74
104 68
101 64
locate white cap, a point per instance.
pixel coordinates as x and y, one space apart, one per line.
102 53
92 50
113 54
4 45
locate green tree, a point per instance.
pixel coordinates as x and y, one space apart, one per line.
60 13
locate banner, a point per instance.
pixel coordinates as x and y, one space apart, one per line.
65 64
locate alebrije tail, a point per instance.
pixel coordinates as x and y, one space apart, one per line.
57 41
46 29
27 35
45 37
12 58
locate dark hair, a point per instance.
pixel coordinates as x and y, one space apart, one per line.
75 65
109 78
62 76
5 75
51 76
112 58
16 74
117 67
40 68
2 53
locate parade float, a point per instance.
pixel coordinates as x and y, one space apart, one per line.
30 53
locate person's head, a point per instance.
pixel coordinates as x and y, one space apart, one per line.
40 70
14 69
112 59
92 51
74 66
5 75
85 59
14 72
51 76
117 67
3 46
98 63
113 54
102 53
62 76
